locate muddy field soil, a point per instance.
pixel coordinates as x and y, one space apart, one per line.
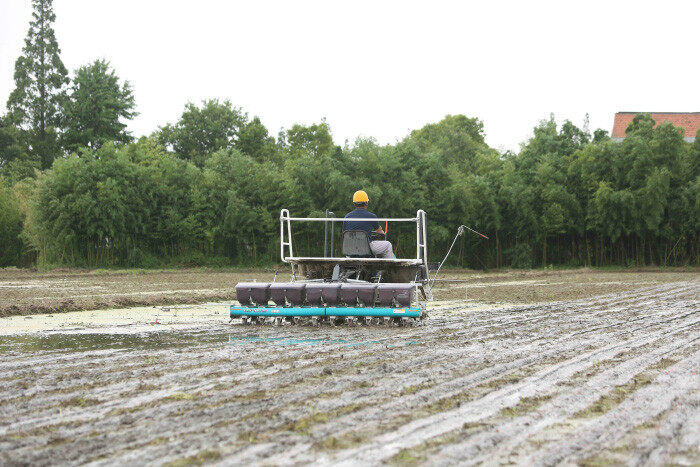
587 378
25 292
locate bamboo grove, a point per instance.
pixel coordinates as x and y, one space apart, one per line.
208 189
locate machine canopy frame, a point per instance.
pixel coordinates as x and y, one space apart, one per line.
287 248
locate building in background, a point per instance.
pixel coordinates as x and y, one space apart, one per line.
689 121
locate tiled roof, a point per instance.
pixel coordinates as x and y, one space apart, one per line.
689 121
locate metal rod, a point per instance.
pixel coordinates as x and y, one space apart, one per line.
341 259
469 228
342 219
325 236
289 233
332 232
425 238
418 238
460 232
284 213
456 281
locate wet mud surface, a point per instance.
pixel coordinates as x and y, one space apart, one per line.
609 378
23 292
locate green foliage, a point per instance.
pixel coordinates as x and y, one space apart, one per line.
91 207
36 103
564 199
19 169
10 227
254 140
456 139
96 106
11 147
520 256
202 131
15 162
311 142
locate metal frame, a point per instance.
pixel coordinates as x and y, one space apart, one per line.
342 259
325 234
286 239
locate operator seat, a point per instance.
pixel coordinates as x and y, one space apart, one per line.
356 244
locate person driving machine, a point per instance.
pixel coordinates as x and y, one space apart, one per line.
380 248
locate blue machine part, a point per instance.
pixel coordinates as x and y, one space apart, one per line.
381 312
238 311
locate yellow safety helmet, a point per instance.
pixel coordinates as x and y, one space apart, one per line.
360 197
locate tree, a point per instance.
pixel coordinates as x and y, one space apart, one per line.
600 135
92 207
695 151
41 79
255 141
641 123
202 131
10 142
456 138
96 106
10 227
15 163
310 141
565 198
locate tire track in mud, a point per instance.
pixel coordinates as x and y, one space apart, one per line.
643 404
454 387
677 435
441 361
441 423
222 356
559 310
68 370
498 442
387 409
4 366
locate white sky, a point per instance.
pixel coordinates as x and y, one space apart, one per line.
381 68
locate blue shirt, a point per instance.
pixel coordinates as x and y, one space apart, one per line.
367 226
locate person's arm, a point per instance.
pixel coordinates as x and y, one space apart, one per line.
378 228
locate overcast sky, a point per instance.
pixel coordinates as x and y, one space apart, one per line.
381 68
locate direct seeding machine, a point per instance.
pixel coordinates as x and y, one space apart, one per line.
356 288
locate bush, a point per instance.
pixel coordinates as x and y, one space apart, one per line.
10 228
520 256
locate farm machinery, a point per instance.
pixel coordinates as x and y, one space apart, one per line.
356 287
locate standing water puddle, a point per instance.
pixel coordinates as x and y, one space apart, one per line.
88 341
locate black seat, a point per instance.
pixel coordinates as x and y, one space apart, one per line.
356 244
